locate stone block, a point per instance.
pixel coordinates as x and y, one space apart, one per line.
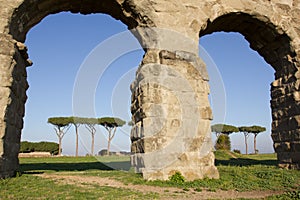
5 64
3 105
136 132
151 56
206 113
138 146
277 92
189 165
6 80
161 127
1 148
195 144
295 146
284 157
286 136
286 124
295 157
276 137
295 135
277 83
138 115
282 147
164 54
7 47
290 159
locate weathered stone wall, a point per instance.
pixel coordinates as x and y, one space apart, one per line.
172 117
170 105
13 86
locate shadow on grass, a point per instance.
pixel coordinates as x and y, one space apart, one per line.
245 162
27 167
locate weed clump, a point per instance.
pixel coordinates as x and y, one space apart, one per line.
177 178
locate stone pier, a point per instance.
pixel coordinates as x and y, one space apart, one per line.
172 116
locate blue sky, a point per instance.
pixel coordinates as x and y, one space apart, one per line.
61 45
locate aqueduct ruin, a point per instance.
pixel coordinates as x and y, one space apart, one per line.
170 106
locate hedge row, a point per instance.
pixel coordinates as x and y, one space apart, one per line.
27 147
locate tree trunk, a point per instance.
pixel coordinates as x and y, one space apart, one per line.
76 131
60 134
246 144
108 141
76 154
255 143
59 145
93 144
108 147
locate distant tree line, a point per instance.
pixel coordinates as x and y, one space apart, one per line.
27 147
223 131
62 125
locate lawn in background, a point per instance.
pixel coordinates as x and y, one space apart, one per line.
237 172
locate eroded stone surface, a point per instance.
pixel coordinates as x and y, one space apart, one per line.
170 107
172 117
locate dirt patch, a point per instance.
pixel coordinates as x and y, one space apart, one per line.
231 154
164 192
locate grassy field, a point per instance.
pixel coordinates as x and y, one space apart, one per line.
78 178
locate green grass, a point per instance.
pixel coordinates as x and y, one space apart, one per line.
287 195
32 187
75 163
237 172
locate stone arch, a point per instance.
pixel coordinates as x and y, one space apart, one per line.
18 18
271 42
169 58
276 47
29 13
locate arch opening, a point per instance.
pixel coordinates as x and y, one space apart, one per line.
24 17
61 46
239 88
29 13
274 45
264 37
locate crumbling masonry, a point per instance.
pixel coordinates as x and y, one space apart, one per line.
170 107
